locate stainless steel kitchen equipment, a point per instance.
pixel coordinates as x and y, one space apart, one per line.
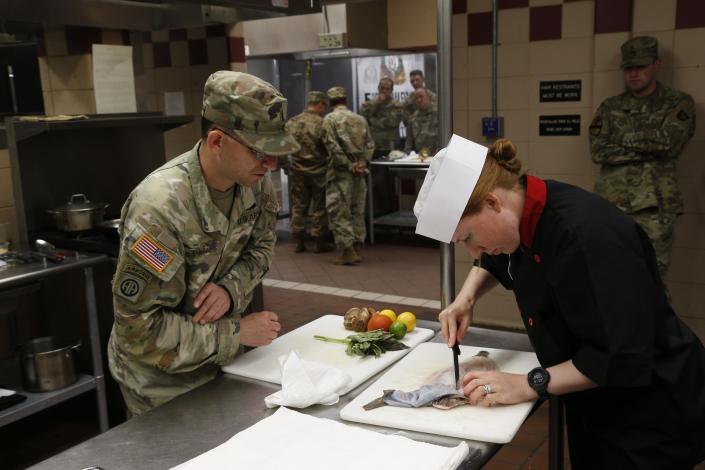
78 214
48 363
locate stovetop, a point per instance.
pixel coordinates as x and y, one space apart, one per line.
95 241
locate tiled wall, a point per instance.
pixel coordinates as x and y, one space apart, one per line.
7 198
177 60
542 40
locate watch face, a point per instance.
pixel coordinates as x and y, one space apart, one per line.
538 377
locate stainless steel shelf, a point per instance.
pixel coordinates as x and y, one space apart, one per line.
397 219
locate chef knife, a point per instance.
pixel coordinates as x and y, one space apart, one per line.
456 368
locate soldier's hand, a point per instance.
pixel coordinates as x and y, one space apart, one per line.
259 329
212 302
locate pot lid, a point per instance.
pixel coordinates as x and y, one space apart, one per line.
79 202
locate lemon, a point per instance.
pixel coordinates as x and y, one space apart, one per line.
398 329
390 314
409 319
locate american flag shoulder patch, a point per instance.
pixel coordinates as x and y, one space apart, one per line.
152 252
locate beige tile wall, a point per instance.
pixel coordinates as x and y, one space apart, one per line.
595 60
7 198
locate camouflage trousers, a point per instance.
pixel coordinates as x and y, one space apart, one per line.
308 197
659 226
345 202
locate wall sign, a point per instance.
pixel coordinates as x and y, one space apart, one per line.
568 124
561 90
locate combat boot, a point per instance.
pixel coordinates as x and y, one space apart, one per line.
300 245
323 246
348 257
357 246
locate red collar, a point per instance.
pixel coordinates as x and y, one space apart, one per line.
534 203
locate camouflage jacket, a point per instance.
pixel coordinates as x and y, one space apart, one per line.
347 139
637 142
384 119
410 102
306 128
422 131
173 241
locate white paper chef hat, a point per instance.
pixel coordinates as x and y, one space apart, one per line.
446 190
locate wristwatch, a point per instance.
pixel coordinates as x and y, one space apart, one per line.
538 380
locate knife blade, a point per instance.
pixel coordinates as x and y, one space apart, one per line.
456 368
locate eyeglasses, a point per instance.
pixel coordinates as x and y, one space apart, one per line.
259 156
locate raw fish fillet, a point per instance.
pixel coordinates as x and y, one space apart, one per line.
438 390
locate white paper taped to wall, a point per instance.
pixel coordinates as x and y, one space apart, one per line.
113 79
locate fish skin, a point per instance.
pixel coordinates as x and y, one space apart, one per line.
446 403
478 362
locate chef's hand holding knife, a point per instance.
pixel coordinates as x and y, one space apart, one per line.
505 388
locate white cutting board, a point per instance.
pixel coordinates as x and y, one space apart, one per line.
263 363
496 424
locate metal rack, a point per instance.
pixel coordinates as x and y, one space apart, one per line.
21 275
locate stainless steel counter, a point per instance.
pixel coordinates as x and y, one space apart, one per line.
210 415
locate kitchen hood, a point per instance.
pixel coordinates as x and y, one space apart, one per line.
149 15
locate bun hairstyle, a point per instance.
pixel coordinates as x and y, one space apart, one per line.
502 169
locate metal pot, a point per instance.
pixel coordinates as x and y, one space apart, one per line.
48 363
110 225
78 214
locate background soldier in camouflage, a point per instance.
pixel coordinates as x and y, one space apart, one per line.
417 81
307 173
350 147
422 132
383 115
637 137
197 236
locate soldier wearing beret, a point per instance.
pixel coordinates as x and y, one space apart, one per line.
350 146
308 174
636 138
197 236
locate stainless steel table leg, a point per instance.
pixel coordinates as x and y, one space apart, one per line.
96 354
370 207
555 434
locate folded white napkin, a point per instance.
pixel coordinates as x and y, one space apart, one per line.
306 383
289 439
6 393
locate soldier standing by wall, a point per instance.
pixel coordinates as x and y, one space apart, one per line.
637 138
307 174
197 237
350 147
422 133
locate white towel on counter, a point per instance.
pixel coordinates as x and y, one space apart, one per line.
292 440
306 383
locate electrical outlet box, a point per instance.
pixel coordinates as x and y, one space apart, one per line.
493 126
332 40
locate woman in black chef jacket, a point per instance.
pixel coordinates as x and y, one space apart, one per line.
584 274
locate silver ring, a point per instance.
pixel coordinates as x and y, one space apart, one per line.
488 389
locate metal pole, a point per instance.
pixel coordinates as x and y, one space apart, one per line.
495 43
96 355
445 121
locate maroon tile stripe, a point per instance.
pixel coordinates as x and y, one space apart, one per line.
460 6
198 51
80 39
162 54
506 4
613 16
236 49
545 22
690 14
479 28
178 34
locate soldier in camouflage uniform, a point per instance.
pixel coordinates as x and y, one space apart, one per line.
197 236
350 147
637 137
422 133
383 115
307 173
417 81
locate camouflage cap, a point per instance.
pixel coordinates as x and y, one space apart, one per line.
337 92
639 51
317 97
250 110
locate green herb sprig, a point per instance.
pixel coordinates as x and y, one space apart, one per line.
372 343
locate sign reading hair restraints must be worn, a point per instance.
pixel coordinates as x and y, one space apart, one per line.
561 90
568 124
